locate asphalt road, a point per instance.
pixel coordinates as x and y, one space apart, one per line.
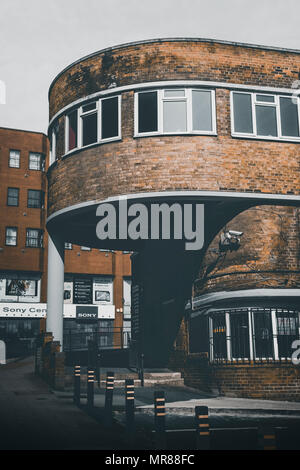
34 418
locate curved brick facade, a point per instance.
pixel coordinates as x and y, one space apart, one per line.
182 162
268 257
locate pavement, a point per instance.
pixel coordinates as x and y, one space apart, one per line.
33 416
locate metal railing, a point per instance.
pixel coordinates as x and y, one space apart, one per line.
106 338
256 335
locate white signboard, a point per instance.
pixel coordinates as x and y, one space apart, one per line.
14 309
103 291
19 290
68 292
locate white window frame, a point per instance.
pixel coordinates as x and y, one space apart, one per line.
254 103
161 98
11 236
117 137
81 114
52 147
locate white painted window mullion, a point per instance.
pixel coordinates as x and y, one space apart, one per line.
228 336
251 345
275 334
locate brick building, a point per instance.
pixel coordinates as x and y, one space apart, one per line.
98 278
200 122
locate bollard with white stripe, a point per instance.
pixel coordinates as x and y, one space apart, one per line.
90 387
76 396
129 404
202 428
110 378
160 420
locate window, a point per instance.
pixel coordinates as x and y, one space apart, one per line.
34 238
265 115
85 248
109 118
53 139
68 246
36 161
14 159
13 196
249 334
93 122
175 111
89 123
239 328
287 331
11 236
147 112
72 130
35 198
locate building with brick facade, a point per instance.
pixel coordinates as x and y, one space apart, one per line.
100 279
196 122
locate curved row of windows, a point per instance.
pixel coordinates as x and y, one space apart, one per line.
181 111
245 334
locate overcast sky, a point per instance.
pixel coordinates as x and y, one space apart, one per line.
38 38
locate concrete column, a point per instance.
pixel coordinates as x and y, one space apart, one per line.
55 288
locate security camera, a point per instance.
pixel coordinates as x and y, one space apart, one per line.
234 233
230 240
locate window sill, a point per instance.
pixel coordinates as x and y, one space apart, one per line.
270 139
172 134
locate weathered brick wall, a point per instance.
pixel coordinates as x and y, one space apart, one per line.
260 381
268 381
161 163
269 254
169 60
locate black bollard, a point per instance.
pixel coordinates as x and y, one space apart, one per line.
90 388
202 428
266 438
160 420
110 377
129 404
76 396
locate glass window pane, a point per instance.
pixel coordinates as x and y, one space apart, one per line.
174 93
174 119
242 112
34 198
263 339
11 236
109 118
265 98
88 107
287 332
266 120
34 238
35 161
14 159
89 129
219 337
202 112
12 196
289 117
73 130
147 103
239 335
